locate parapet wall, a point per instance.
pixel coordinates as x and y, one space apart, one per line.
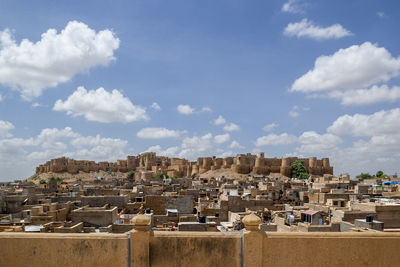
31 249
252 248
330 249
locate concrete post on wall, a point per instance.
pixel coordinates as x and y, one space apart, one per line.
253 241
140 241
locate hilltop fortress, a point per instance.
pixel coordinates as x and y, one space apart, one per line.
149 163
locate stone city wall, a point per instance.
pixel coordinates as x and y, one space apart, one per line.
149 161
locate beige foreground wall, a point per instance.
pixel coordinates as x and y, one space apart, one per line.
143 248
39 249
331 249
194 249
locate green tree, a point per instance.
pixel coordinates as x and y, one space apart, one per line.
131 174
42 182
365 176
298 170
57 179
380 174
160 175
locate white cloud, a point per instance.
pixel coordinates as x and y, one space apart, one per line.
294 113
206 109
355 67
19 157
380 14
373 95
31 67
169 152
294 6
225 154
98 148
101 105
185 109
270 127
220 120
231 127
188 110
384 122
380 151
5 127
195 146
155 106
274 139
235 145
36 105
158 133
1 98
314 143
49 136
222 138
306 28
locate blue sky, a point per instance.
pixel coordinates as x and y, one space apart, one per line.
298 77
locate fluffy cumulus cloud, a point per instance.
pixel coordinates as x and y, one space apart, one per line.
306 28
101 105
231 127
219 121
188 110
355 67
31 67
275 139
314 143
235 145
376 142
224 154
384 122
196 146
270 127
158 133
19 157
97 148
373 95
155 106
222 138
185 109
294 6
5 127
169 152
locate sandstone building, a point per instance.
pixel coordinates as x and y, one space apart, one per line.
149 161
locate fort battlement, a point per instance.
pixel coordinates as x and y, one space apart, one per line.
149 161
